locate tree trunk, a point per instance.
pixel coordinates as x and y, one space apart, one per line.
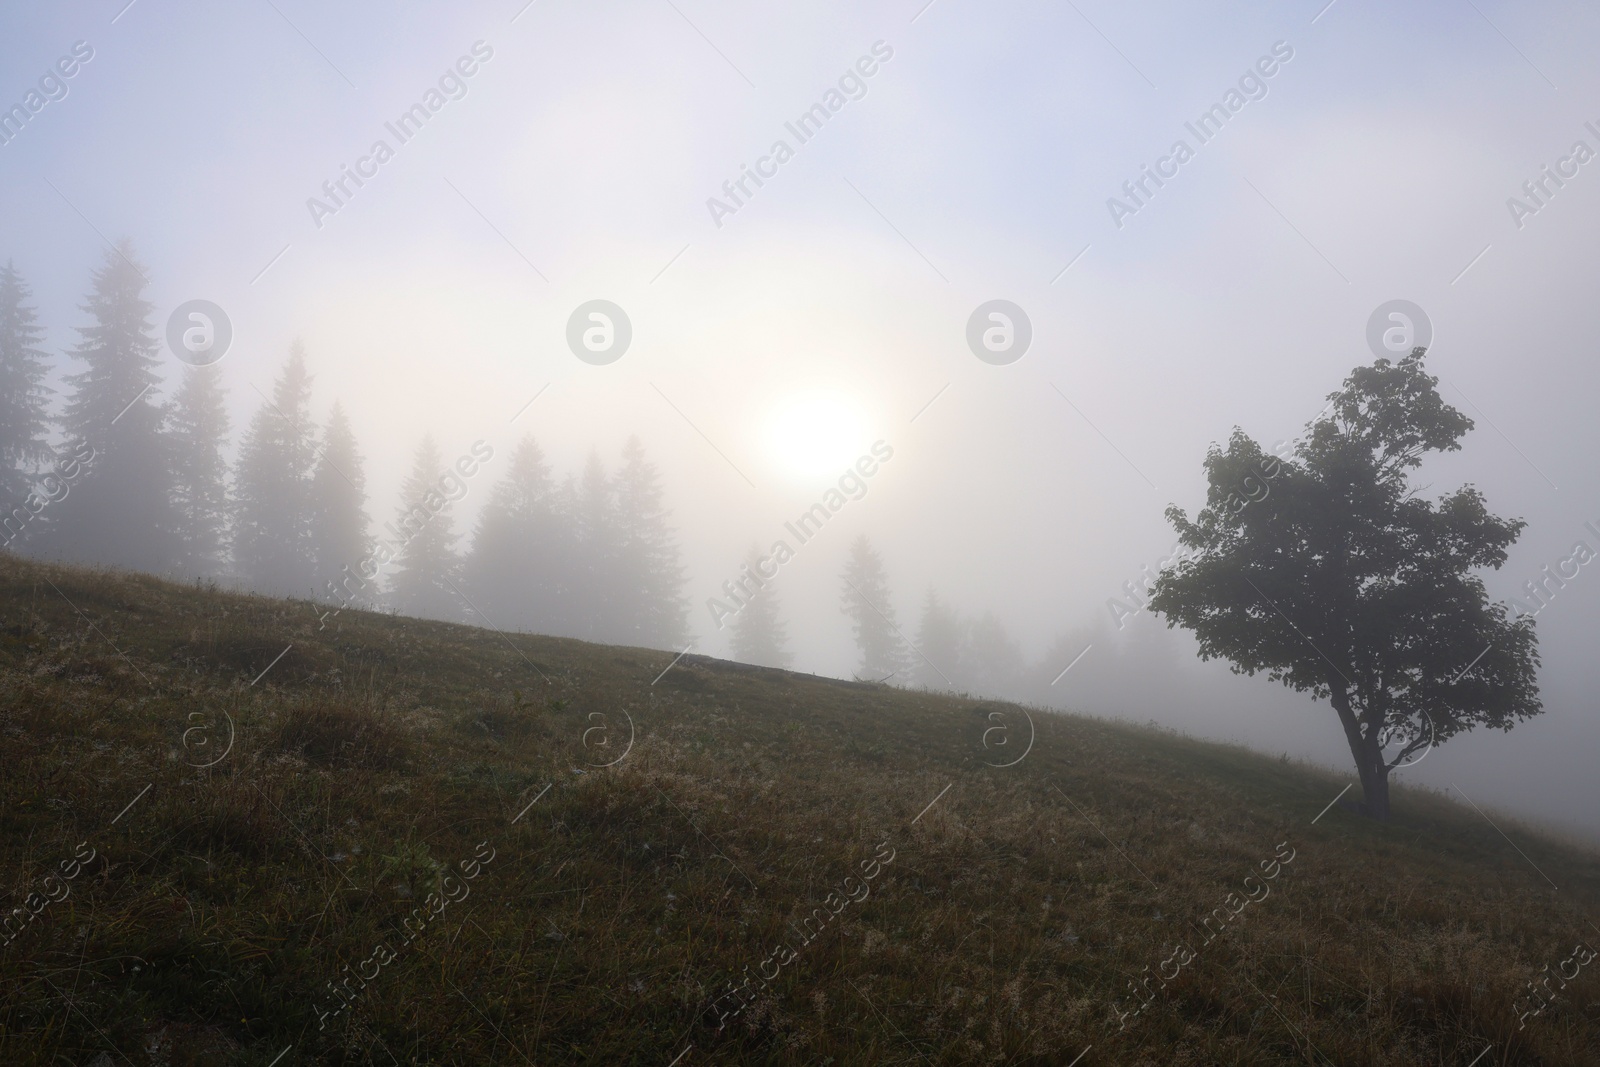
1368 756
1374 788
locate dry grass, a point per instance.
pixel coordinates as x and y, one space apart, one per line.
342 735
620 904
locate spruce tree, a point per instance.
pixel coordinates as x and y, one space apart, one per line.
272 511
22 390
198 424
992 659
340 543
596 606
759 635
884 654
940 637
574 590
121 511
653 611
515 572
424 531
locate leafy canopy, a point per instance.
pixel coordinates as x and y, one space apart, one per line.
1325 569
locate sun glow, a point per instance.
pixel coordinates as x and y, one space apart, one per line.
816 435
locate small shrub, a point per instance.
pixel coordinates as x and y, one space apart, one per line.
413 869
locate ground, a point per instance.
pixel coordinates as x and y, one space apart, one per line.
519 849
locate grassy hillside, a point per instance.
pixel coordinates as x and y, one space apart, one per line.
422 810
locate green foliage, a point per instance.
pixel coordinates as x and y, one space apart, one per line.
414 867
1331 575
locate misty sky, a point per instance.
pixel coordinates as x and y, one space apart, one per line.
576 161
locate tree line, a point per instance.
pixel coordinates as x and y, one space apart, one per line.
947 651
120 476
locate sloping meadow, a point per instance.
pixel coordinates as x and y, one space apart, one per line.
229 836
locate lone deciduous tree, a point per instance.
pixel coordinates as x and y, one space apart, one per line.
1324 569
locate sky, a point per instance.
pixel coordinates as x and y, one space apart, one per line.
776 338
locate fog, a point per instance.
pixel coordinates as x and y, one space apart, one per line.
778 334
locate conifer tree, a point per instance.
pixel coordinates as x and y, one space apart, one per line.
272 512
198 424
515 572
574 583
596 609
340 543
759 635
940 637
121 511
22 390
884 654
424 531
992 659
1081 666
653 610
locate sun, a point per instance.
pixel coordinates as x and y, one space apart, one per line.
815 435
